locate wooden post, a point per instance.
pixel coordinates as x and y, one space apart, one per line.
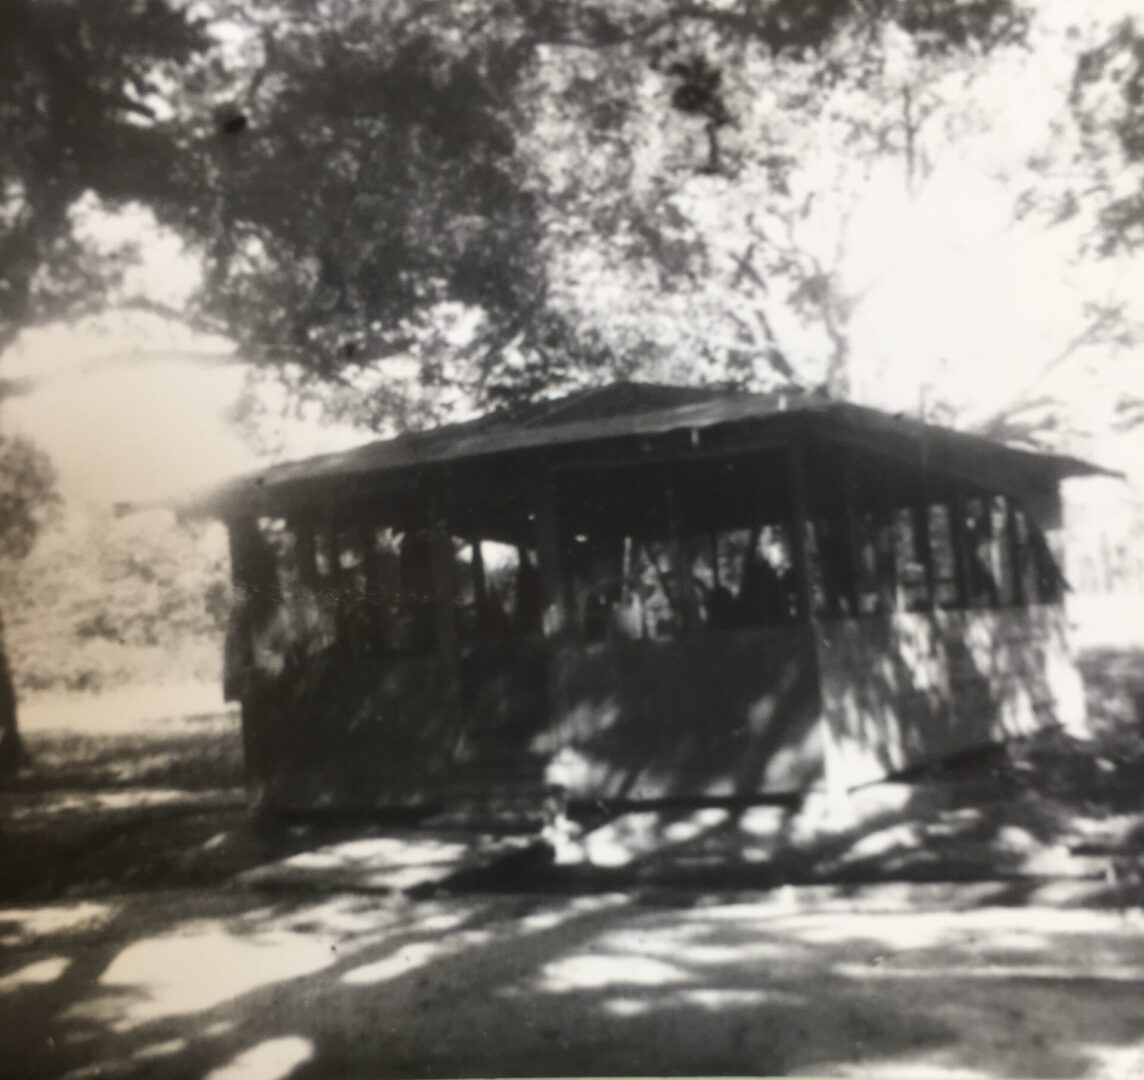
240 535
442 567
367 541
337 583
304 558
443 578
334 549
887 560
992 586
255 598
1016 559
480 584
680 559
556 621
800 522
368 598
851 538
1051 584
628 558
923 549
961 555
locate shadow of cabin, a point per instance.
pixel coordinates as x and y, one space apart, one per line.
642 593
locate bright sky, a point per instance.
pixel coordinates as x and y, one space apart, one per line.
135 431
148 427
133 406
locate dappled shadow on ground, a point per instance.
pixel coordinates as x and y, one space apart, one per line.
191 754
129 806
138 806
99 844
618 983
482 974
926 835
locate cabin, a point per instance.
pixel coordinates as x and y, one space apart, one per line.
643 594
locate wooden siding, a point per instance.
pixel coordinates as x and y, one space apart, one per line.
722 714
350 734
905 689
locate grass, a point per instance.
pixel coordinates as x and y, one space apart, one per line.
193 753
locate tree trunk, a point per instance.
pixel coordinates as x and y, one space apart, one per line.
12 752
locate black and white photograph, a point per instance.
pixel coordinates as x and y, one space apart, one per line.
571 538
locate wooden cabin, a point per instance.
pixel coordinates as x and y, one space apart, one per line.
642 594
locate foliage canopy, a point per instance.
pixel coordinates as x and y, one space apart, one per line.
518 194
361 179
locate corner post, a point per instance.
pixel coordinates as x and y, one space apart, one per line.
255 598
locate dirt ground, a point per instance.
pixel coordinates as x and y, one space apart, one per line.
210 983
985 921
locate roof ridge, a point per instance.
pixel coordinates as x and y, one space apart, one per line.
557 405
685 395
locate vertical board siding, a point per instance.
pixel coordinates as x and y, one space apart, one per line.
732 714
727 714
905 689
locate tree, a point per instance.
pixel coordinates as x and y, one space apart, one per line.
725 219
83 92
1107 100
1086 182
369 181
355 174
369 173
27 496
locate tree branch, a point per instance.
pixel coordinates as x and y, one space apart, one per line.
1104 318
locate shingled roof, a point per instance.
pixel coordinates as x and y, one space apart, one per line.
627 409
